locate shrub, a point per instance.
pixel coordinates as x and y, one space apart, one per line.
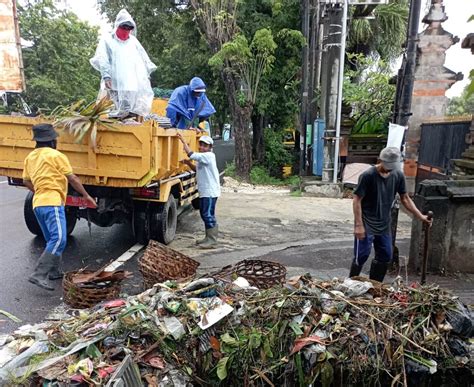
276 155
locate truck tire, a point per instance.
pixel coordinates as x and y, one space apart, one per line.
30 217
163 221
71 219
32 223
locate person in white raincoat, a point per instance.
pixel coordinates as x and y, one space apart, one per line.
125 68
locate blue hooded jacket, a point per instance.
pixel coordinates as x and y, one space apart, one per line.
182 104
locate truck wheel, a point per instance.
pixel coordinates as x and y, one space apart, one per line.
30 217
163 221
71 219
32 223
140 225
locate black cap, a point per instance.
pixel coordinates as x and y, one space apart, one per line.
44 133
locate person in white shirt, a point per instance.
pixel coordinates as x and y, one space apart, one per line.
209 187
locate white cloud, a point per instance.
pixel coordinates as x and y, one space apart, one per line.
88 11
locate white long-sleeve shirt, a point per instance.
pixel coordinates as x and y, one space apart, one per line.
207 175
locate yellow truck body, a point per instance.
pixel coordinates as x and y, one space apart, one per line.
159 106
140 164
129 156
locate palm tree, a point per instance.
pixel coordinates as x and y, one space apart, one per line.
379 31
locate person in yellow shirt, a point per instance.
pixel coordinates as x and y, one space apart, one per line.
47 173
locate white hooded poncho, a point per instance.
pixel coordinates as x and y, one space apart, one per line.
127 64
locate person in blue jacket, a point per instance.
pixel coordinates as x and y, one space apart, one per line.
189 105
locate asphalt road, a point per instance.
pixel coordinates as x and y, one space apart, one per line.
21 249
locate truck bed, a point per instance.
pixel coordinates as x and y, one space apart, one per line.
129 156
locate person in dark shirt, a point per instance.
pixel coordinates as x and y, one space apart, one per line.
372 203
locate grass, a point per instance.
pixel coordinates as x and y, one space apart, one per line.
260 176
296 193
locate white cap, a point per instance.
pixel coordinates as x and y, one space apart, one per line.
206 140
200 90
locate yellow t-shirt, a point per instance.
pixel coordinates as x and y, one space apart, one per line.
47 169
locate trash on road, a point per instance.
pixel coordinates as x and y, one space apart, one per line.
211 330
10 316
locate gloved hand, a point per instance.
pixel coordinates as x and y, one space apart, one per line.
108 83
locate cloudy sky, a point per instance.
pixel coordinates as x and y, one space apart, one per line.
458 11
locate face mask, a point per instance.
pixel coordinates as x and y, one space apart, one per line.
122 33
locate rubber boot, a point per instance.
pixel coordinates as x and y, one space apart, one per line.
204 240
378 270
355 270
56 272
211 242
40 275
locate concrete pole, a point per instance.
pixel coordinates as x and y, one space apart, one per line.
304 86
332 48
342 54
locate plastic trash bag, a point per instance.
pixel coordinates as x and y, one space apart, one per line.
460 319
174 327
353 288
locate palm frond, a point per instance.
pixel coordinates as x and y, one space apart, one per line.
81 119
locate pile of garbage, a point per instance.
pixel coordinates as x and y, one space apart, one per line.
213 331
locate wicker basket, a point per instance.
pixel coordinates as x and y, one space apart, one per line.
161 263
83 296
262 274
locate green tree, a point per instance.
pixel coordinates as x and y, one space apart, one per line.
217 20
278 101
462 105
371 97
56 57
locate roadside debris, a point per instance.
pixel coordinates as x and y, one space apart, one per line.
10 316
215 330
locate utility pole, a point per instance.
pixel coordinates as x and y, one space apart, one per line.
304 85
330 85
406 75
403 98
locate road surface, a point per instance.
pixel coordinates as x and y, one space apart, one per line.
20 250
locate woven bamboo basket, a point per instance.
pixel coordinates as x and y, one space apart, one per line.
262 274
160 263
82 296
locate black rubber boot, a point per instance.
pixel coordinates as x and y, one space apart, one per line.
56 272
355 270
378 270
40 275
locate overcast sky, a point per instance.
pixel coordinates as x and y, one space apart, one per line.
458 11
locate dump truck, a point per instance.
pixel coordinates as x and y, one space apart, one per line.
135 172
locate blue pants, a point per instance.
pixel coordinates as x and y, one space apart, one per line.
207 208
52 221
382 245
